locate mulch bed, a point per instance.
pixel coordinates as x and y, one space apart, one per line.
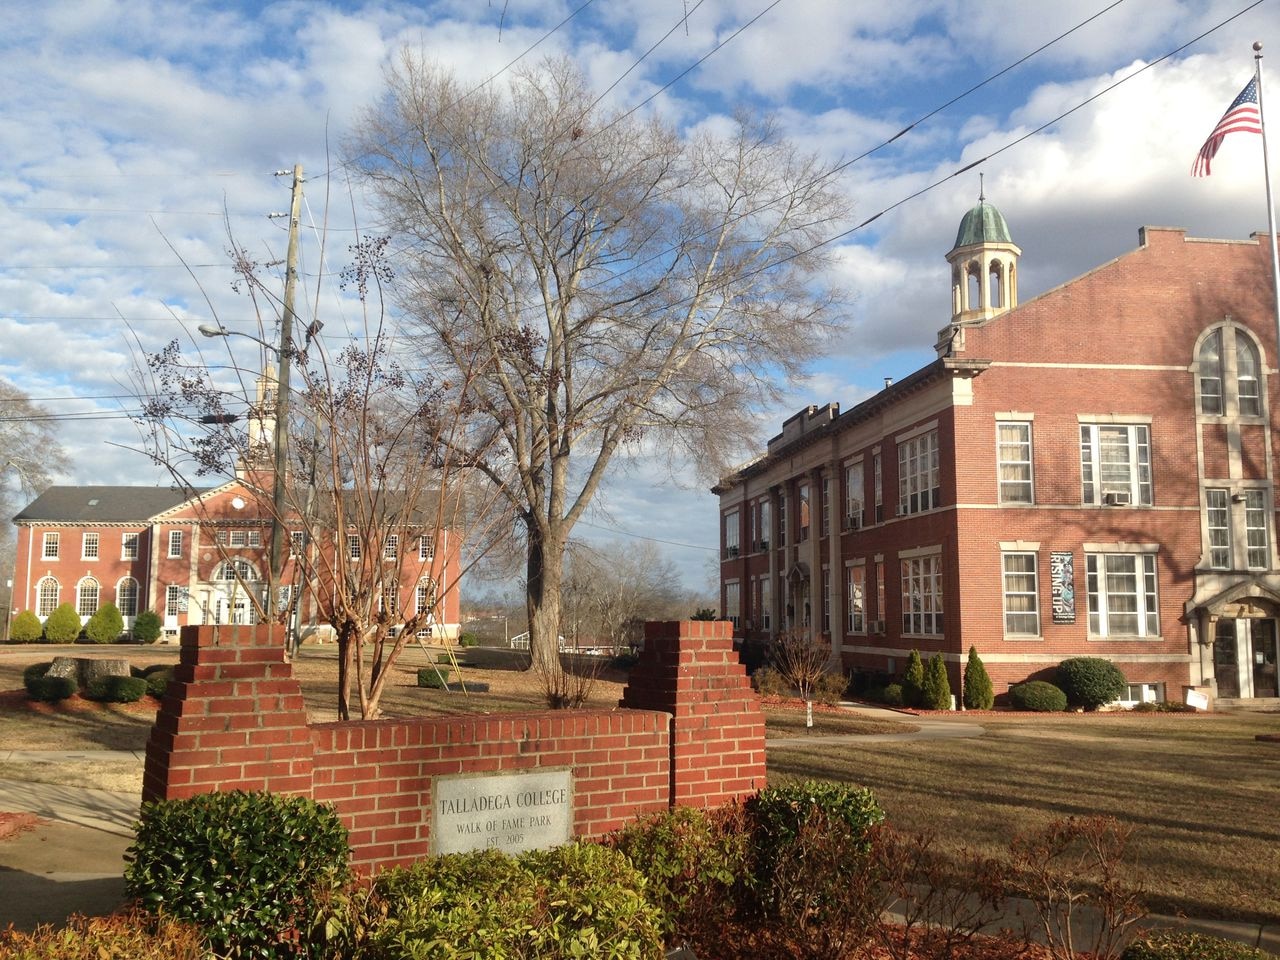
18 700
12 824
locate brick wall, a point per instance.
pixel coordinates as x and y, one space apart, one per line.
691 732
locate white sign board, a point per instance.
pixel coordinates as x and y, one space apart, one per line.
510 811
1194 698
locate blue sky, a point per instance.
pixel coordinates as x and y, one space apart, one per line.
130 130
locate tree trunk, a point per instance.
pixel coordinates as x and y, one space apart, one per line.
542 599
84 669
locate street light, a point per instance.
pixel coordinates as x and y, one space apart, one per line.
280 459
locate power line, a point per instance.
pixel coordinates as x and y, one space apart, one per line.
640 536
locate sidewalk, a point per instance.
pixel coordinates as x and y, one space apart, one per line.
930 728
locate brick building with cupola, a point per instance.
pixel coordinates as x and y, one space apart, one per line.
1088 473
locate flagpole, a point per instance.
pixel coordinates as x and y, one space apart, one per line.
1271 209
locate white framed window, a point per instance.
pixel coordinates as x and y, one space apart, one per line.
826 599
732 602
766 603
922 595
87 597
426 547
856 591
1115 464
826 506
424 597
760 519
1209 361
1248 392
854 496
1218 523
1021 594
237 568
391 546
782 520
47 592
128 546
49 548
1122 594
353 546
802 511
175 543
172 600
1257 553
1013 446
1142 693
239 538
389 597
297 543
127 597
89 546
918 484
732 535
877 479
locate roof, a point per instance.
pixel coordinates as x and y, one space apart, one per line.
102 504
982 224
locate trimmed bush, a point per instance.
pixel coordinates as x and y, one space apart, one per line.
579 900
693 862
250 869
935 694
1188 945
157 680
979 694
893 695
468 640
63 625
136 935
1038 696
913 680
776 815
34 672
433 678
106 624
51 689
147 627
26 628
1090 682
113 689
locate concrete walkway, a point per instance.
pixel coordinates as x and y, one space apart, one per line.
931 728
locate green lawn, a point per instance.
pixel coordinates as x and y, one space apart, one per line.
1202 793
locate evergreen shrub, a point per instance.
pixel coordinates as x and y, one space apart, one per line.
433 678
893 695
112 689
63 625
250 869
147 626
1039 696
1090 682
34 672
51 689
1188 945
157 680
935 693
913 680
26 628
106 624
979 694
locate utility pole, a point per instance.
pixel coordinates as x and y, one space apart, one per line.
281 442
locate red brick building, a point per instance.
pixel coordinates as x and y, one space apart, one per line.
1087 473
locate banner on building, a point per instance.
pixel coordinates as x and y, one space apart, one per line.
1062 584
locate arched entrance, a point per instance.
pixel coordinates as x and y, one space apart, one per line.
1240 627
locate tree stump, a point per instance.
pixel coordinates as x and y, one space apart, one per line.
84 669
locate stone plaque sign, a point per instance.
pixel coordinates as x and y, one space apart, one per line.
510 811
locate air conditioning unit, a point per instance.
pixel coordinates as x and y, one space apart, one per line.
853 522
1118 498
731 552
764 544
877 627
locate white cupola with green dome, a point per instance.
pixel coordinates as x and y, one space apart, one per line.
984 273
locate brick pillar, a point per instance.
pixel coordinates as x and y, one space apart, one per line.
689 669
232 719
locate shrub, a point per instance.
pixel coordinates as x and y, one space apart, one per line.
770 683
250 869
1090 682
433 678
978 694
694 862
893 695
106 624
51 689
705 613
136 935
468 640
579 900
35 672
935 694
63 625
1188 945
116 689
26 628
830 687
776 814
157 680
913 680
147 627
1038 696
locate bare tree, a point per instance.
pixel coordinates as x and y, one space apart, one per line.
378 498
624 284
611 588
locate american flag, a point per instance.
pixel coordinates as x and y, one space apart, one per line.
1243 116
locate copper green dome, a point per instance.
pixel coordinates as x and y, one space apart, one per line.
983 224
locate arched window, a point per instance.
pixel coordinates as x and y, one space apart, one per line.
1209 362
1248 394
425 596
995 285
127 597
236 568
47 591
389 598
87 597
973 285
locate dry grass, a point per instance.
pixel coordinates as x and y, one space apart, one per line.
1199 789
786 723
